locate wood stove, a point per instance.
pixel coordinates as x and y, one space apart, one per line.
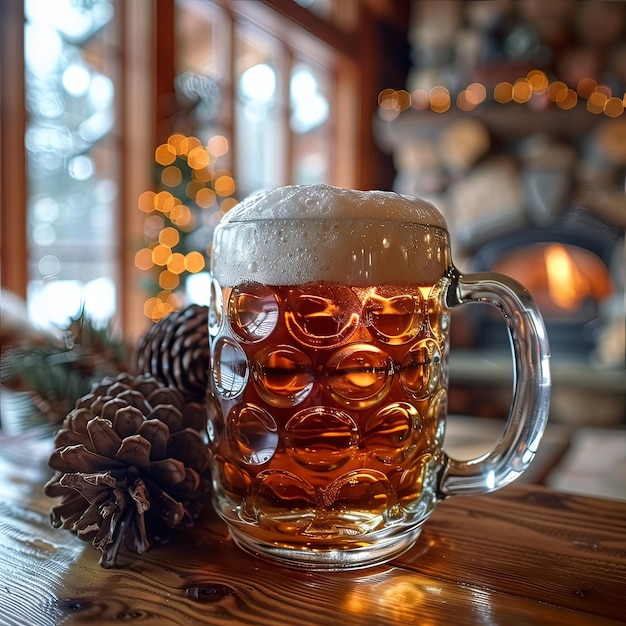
571 268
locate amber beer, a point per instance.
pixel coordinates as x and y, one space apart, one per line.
329 342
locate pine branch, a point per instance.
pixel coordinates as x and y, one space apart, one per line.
55 375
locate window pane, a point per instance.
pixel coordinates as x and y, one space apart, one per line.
310 124
259 114
72 177
201 39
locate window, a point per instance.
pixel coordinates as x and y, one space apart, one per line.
248 80
71 155
275 92
75 132
90 91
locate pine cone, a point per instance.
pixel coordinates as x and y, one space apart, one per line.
175 351
129 465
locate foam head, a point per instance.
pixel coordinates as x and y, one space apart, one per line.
303 233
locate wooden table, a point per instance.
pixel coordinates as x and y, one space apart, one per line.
524 555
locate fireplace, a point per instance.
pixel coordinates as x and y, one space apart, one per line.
571 269
507 141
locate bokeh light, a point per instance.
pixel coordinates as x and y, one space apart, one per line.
194 262
161 254
169 237
596 102
187 167
218 145
171 176
165 154
206 197
146 201
439 99
168 280
614 107
522 91
143 259
538 81
567 99
503 92
224 185
198 158
535 87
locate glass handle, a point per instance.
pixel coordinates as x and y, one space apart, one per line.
531 386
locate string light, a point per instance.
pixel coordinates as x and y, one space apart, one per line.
191 191
599 99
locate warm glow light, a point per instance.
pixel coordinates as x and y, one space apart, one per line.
463 102
198 158
180 215
168 280
224 185
586 87
476 93
143 259
596 102
176 263
164 201
205 198
161 254
149 307
538 81
566 286
522 90
171 176
146 201
176 141
158 307
604 89
187 227
503 92
169 237
168 219
387 99
567 99
392 102
439 99
218 145
203 175
614 107
403 99
194 262
420 99
188 144
556 90
165 154
471 97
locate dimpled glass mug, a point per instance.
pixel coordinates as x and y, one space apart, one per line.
329 333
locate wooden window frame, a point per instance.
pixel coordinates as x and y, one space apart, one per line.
135 131
145 94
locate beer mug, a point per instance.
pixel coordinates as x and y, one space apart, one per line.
329 336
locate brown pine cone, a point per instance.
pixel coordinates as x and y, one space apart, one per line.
130 464
175 351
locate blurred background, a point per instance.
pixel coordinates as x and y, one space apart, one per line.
129 128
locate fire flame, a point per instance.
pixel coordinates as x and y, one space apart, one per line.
566 286
570 281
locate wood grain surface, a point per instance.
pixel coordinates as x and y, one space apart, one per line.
523 555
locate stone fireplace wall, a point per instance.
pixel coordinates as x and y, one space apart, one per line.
512 121
497 167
